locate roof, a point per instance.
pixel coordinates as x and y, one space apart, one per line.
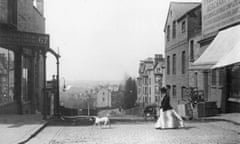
223 51
180 9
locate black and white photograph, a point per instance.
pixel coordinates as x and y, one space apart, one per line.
119 71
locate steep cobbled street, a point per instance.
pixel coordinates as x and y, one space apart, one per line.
212 132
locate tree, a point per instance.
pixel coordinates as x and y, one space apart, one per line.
130 93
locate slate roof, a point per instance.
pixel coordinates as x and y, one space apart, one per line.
180 9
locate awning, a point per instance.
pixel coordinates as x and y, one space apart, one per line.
223 51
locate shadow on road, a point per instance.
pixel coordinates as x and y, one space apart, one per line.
210 120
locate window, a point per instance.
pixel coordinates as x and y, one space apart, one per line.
214 77
157 90
183 62
6 76
150 90
174 64
168 33
157 79
168 64
156 98
26 77
196 79
168 89
191 51
174 30
183 27
12 12
174 91
103 99
183 92
146 91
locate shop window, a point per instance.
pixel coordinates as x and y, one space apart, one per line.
6 76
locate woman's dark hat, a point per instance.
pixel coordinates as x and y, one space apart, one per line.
163 90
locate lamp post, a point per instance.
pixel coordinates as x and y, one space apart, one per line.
57 92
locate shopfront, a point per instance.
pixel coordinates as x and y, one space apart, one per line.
220 62
233 88
22 62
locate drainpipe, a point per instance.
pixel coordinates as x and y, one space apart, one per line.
44 109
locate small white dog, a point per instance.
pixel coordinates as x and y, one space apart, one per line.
102 121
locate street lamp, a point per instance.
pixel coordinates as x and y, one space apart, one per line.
64 85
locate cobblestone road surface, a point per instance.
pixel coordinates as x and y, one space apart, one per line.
141 133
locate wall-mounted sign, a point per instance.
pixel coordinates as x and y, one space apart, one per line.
24 39
3 11
217 14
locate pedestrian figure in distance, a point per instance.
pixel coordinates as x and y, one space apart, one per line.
168 118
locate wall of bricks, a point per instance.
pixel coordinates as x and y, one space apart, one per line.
29 19
176 46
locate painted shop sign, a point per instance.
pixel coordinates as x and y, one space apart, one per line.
24 39
217 14
3 11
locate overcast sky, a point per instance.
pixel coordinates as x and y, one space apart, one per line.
104 39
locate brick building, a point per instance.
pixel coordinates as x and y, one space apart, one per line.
182 29
202 52
23 47
217 65
150 80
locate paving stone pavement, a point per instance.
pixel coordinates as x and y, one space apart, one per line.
18 128
218 132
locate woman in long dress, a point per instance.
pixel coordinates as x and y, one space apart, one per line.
168 118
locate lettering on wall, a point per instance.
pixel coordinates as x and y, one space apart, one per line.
217 14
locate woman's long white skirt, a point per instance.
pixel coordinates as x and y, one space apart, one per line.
169 119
